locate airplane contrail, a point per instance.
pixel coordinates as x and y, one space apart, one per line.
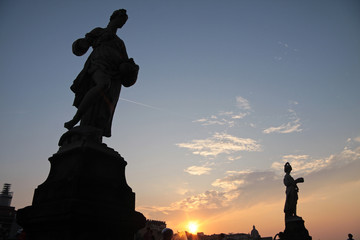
148 106
141 104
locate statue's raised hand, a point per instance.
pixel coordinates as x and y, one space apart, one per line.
300 180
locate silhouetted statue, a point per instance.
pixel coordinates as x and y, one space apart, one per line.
291 192
294 225
255 234
97 87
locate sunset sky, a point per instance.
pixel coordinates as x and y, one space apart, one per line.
228 91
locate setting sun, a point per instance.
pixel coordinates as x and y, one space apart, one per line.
193 227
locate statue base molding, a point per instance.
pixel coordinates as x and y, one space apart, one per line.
294 230
84 197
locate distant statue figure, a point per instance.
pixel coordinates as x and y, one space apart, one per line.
291 192
97 87
350 236
254 234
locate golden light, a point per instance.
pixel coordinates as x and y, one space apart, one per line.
193 227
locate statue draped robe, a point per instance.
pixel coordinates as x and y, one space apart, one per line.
291 195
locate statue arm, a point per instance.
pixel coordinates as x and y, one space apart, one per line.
81 45
299 180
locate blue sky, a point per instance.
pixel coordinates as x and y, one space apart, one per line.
227 91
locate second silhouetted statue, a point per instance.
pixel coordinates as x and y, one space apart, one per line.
294 225
291 192
97 87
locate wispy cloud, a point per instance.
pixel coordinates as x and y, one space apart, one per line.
302 164
239 116
233 158
232 181
285 45
248 187
233 115
208 200
215 120
184 191
294 125
305 164
228 118
198 170
290 127
220 143
222 118
242 103
285 50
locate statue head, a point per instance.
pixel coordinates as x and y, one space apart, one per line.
119 17
287 167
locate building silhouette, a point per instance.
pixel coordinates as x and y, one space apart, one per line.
7 213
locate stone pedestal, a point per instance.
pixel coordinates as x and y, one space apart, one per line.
84 197
294 230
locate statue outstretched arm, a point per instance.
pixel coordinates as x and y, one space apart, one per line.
81 45
299 180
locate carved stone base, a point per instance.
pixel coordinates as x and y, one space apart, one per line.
84 197
294 230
